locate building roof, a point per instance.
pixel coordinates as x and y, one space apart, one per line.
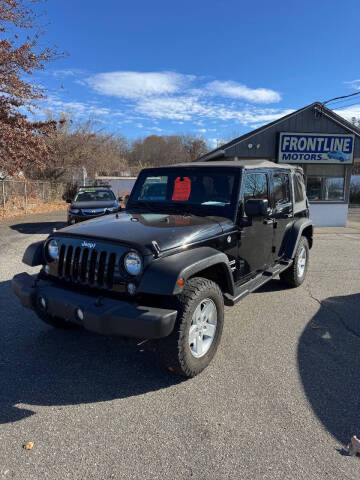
317 106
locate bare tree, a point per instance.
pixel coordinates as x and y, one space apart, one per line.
355 121
194 146
158 150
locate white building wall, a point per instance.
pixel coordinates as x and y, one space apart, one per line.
329 215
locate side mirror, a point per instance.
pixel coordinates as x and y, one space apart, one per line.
257 207
68 200
120 199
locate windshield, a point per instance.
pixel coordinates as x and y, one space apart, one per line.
198 190
95 196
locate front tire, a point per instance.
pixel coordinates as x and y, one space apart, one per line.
197 332
295 275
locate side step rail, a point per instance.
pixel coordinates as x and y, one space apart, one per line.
242 290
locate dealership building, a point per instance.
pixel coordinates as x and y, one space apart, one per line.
324 144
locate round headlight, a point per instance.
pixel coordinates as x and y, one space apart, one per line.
133 263
52 249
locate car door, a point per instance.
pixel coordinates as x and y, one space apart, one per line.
283 210
256 233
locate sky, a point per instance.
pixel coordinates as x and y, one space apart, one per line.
212 68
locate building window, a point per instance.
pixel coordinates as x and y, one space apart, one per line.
325 183
322 188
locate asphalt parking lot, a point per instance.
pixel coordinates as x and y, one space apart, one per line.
280 401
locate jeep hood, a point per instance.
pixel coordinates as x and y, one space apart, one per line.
168 230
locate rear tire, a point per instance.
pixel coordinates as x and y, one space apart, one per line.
295 275
197 332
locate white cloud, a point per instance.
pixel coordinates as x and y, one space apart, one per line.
350 112
142 85
135 85
355 84
236 90
214 142
67 73
173 108
187 107
169 96
77 109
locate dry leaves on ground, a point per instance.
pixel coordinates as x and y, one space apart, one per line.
28 445
33 208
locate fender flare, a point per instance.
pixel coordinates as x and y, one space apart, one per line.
160 278
34 254
294 234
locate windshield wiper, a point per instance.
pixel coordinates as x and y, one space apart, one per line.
160 207
185 208
141 204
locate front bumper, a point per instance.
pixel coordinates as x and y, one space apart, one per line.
106 316
76 218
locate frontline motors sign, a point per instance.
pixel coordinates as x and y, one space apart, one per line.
315 148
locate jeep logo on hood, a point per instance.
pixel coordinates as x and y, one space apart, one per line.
88 244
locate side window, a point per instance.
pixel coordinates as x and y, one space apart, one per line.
255 186
298 187
281 184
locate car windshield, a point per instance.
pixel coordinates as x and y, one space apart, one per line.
95 196
198 190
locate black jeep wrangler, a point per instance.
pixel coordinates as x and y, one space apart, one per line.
193 238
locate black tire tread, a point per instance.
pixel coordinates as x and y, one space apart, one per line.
172 353
290 276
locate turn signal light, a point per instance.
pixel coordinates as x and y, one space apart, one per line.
181 282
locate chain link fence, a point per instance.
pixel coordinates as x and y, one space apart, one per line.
22 196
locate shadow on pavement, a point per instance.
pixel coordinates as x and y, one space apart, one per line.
272 286
31 228
329 366
40 365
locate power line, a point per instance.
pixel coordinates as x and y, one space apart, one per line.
339 98
348 105
337 102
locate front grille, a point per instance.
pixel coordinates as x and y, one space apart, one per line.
93 267
93 211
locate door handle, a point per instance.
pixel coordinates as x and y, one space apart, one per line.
268 221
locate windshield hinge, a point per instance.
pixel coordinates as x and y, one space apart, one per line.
156 248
